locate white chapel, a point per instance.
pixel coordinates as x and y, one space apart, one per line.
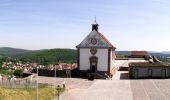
95 54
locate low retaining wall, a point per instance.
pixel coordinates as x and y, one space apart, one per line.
26 75
59 73
149 72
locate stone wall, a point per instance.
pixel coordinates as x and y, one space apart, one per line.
149 72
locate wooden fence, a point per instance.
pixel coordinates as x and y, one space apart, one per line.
21 83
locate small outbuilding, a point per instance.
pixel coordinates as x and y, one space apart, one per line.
149 70
139 54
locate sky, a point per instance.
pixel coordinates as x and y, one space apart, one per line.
45 24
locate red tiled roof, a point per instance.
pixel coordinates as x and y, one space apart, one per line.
139 53
106 39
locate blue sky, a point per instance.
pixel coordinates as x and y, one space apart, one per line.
43 24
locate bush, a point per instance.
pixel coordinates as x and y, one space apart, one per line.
18 73
0 64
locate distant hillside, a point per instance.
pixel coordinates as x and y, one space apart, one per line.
166 53
45 56
7 51
123 53
160 54
49 56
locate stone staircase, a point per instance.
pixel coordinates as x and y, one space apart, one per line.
92 76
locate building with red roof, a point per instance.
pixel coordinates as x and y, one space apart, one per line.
139 54
95 54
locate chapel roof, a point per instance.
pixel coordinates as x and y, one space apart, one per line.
100 41
95 39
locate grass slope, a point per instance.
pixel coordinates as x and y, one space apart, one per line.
27 94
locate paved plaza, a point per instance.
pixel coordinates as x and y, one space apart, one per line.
71 83
152 89
101 90
121 88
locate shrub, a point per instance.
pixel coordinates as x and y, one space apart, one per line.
18 73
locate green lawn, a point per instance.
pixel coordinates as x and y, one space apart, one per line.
27 94
4 72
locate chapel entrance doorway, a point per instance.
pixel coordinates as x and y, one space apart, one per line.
93 64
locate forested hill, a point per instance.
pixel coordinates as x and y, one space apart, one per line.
7 51
49 56
46 56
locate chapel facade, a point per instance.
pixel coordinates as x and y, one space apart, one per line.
95 54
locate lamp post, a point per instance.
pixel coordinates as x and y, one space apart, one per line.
54 79
58 92
37 82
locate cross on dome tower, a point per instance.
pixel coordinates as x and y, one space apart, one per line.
95 25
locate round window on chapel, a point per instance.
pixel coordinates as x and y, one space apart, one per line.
93 41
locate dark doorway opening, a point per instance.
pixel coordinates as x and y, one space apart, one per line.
93 68
93 64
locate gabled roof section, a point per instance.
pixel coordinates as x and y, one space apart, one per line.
139 53
95 39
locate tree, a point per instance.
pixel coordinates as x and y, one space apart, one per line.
18 73
0 63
